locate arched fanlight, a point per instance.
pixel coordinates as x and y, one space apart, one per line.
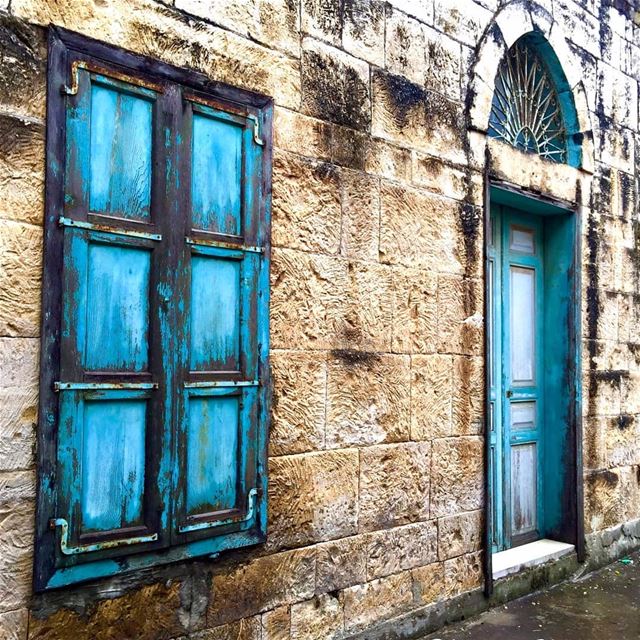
526 110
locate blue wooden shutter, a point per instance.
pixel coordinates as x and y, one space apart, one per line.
154 380
113 421
218 479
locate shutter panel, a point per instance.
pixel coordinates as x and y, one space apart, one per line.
110 411
218 485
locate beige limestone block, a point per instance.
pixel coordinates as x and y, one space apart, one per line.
21 169
460 320
405 47
464 20
298 404
235 15
594 442
367 399
18 401
335 85
245 629
630 394
341 563
349 147
151 612
363 30
312 497
261 584
463 574
459 534
407 114
616 146
277 25
301 134
440 177
368 603
14 624
20 273
368 308
16 544
428 583
415 320
360 231
457 475
443 64
323 20
610 495
431 394
420 9
580 26
419 229
320 618
387 160
307 300
402 548
23 57
306 204
622 436
276 624
394 485
468 395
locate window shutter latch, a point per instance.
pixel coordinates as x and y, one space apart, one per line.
98 546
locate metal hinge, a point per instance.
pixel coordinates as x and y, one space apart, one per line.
251 507
98 546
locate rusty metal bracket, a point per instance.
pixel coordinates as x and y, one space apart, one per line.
103 386
98 546
102 228
76 65
251 507
216 244
214 384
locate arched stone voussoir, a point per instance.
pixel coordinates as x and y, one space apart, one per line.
512 22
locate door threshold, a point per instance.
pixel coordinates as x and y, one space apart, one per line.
528 555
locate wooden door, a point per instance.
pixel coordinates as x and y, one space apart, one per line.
517 376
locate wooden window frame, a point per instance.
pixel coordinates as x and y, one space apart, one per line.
67 52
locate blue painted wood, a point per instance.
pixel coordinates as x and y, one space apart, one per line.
215 314
120 153
212 454
165 312
216 178
117 308
113 464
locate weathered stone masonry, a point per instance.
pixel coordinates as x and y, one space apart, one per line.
376 471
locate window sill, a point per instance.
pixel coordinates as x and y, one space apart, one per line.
528 555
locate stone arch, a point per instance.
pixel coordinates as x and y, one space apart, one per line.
512 22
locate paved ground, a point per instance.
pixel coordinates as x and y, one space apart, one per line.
601 606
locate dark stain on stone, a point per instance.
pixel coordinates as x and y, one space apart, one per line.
355 358
363 16
349 147
334 91
20 140
593 303
625 421
612 377
23 55
402 95
328 15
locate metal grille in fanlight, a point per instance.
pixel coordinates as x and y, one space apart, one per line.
526 110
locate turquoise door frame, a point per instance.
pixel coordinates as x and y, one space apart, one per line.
516 327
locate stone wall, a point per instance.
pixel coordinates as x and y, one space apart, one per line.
376 469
